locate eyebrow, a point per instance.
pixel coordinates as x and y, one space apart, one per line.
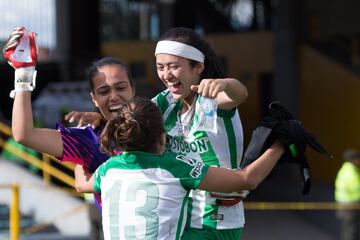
102 87
121 82
168 63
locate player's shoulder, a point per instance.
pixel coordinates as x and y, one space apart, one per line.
85 131
164 98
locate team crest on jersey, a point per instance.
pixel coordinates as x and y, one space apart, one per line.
197 165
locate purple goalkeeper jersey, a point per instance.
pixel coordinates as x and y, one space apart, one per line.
82 146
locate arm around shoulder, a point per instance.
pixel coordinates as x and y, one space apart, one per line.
228 180
234 94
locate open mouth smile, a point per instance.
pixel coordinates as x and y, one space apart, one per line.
114 109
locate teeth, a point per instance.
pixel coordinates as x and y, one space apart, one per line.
172 83
115 107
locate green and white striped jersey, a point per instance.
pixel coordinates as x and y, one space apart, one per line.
144 195
224 149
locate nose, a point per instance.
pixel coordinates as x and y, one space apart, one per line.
167 74
113 95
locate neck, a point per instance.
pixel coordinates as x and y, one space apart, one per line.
187 102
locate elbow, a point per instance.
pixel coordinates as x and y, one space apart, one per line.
252 186
80 187
22 134
77 186
19 136
251 183
83 186
82 182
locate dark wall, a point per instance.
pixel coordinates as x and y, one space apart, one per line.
84 35
46 73
79 41
7 84
78 36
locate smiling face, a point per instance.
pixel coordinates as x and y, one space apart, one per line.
178 75
112 88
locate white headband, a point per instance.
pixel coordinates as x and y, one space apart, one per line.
179 49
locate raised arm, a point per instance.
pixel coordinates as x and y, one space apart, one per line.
229 92
20 51
234 94
227 180
23 130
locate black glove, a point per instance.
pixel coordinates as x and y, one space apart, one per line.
281 124
292 134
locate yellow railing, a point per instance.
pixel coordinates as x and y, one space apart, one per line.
52 172
5 129
44 164
299 206
14 211
48 170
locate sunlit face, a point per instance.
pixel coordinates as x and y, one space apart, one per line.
178 75
112 89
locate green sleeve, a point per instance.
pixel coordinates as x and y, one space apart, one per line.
99 172
189 171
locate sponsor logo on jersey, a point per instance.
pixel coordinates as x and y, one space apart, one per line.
178 145
196 171
197 165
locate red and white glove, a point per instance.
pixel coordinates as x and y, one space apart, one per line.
21 53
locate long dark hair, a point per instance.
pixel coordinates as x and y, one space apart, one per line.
138 127
213 68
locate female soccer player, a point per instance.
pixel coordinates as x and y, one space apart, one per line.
110 84
144 190
190 70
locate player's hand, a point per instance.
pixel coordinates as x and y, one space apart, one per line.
84 118
21 53
210 87
20 49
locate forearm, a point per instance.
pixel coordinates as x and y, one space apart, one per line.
23 130
84 181
257 171
22 118
234 94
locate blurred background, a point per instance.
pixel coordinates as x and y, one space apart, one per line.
303 53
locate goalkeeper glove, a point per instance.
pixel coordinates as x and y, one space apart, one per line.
21 53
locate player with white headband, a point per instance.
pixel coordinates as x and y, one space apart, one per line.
190 70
